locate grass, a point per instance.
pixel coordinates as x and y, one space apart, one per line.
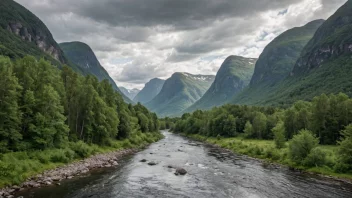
16 167
266 150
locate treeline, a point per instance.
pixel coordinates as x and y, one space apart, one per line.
327 119
43 107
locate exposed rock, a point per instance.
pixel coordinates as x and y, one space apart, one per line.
152 163
169 166
143 160
180 171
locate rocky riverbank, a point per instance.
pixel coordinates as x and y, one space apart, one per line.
53 177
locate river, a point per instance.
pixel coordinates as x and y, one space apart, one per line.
212 172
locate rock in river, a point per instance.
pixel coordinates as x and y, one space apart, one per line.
143 160
180 171
152 163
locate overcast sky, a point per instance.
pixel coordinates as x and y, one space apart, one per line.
137 40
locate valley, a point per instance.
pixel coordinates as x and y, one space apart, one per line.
125 99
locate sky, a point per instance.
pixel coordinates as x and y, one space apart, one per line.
137 40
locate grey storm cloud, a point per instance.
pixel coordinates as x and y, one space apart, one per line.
178 13
164 36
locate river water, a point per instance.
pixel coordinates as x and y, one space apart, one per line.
212 172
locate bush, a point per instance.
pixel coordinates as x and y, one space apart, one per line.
301 145
62 156
42 157
81 149
126 144
279 135
345 151
272 153
317 157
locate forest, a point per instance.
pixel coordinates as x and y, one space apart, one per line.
50 115
303 135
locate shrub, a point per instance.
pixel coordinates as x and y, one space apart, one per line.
345 151
301 145
279 135
81 149
126 144
272 153
317 157
43 157
61 155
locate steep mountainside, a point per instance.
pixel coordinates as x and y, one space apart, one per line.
233 76
130 93
179 92
150 90
83 56
332 39
22 33
276 63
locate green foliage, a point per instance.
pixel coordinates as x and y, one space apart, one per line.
43 108
248 130
301 145
275 64
316 157
81 149
10 116
279 135
83 56
345 150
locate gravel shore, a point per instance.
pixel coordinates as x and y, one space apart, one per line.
53 177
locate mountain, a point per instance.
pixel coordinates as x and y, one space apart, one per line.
130 93
233 76
276 63
83 56
150 90
179 92
22 33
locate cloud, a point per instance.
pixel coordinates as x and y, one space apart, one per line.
136 40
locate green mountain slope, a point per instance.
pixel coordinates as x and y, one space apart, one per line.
83 56
179 92
233 76
325 65
22 33
130 93
150 90
276 63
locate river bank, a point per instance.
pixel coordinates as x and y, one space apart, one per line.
50 173
264 150
212 172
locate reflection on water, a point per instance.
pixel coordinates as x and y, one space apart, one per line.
212 172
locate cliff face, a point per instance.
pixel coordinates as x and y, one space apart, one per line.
332 40
41 38
279 56
31 31
276 63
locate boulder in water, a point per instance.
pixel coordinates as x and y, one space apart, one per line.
180 171
152 163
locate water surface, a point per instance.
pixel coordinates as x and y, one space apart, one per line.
212 172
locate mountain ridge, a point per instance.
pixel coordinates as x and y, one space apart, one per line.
179 92
233 76
84 57
150 90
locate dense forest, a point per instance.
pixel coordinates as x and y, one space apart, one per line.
326 120
51 115
42 107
